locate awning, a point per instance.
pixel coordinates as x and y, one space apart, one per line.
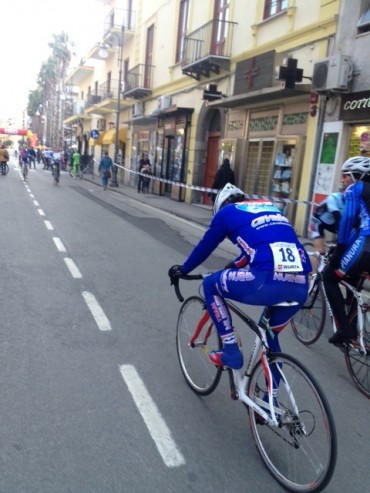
109 137
98 141
264 96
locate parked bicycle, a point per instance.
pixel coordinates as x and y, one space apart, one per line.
309 322
84 168
289 415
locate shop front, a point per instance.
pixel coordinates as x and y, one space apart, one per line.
355 112
268 151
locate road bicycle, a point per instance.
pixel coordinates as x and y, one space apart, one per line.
24 171
55 170
290 418
309 322
4 169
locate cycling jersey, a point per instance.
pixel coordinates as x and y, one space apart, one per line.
356 213
266 239
277 270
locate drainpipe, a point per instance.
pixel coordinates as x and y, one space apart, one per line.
315 159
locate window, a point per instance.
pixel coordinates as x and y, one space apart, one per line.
363 24
220 26
181 31
149 57
273 7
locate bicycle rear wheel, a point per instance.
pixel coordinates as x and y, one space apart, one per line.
357 362
200 374
301 453
308 323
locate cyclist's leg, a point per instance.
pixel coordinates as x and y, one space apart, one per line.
355 260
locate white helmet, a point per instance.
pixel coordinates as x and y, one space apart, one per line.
227 193
360 165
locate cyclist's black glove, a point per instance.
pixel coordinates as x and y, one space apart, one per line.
336 256
175 272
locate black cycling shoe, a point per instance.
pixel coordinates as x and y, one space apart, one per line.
343 336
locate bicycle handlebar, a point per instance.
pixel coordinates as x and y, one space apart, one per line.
187 277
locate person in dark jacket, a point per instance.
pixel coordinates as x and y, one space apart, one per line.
223 176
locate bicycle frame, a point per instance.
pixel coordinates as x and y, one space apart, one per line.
239 380
358 293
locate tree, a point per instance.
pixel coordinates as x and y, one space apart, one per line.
50 82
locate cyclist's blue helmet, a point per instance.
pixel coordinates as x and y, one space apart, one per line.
230 193
357 167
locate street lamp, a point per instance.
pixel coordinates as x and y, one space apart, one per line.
103 52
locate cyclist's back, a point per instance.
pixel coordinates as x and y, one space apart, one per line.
352 254
277 270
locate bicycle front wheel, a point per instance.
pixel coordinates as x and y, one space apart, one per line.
308 323
301 452
357 360
200 374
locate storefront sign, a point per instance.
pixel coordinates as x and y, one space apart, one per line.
355 106
263 124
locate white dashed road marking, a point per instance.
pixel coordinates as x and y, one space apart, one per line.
48 225
97 311
156 425
58 243
72 267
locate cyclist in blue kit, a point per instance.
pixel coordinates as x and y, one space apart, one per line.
352 254
272 267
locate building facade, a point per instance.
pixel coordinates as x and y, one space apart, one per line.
191 82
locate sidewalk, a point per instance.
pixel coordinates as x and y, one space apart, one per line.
199 214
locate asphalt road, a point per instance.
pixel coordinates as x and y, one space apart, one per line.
92 397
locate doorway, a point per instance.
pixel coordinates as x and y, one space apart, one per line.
213 146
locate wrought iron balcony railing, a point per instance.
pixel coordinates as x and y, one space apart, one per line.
118 18
208 49
139 81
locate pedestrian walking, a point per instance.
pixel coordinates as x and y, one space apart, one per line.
105 169
223 176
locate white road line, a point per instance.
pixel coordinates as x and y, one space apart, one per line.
48 225
58 243
41 212
36 203
156 425
73 269
97 311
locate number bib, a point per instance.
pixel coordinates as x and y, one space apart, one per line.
286 257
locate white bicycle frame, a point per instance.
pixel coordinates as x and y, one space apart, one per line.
242 379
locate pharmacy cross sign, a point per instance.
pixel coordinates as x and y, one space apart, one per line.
252 71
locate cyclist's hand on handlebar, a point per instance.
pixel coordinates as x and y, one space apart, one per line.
175 272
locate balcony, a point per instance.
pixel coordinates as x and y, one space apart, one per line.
118 18
139 81
106 100
208 49
113 29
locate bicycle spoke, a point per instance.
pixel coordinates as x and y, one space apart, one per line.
357 360
200 374
301 452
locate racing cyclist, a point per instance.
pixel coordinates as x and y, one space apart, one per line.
272 267
352 253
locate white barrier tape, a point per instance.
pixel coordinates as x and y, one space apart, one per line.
212 190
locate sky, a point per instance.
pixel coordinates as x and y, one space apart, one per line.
27 27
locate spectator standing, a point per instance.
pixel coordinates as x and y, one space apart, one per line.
223 176
105 169
144 161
